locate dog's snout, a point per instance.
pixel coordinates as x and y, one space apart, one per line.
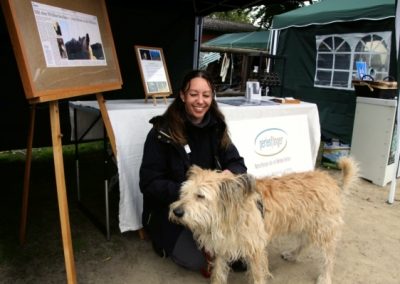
178 212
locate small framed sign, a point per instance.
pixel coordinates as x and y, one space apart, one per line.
153 71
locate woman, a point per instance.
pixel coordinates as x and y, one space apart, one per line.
191 131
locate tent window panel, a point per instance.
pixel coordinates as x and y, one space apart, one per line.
325 60
359 57
374 50
323 78
342 61
346 49
340 79
326 45
341 45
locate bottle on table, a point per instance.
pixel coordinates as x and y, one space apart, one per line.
253 90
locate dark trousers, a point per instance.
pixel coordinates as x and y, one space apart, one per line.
186 252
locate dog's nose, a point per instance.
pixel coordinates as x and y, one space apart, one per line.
178 212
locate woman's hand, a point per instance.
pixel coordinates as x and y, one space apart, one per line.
226 171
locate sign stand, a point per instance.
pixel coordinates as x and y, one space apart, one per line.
60 178
94 72
28 161
60 183
154 73
107 123
155 96
61 191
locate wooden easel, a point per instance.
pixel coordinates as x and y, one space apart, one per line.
60 183
22 27
60 178
155 96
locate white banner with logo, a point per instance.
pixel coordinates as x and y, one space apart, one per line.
274 145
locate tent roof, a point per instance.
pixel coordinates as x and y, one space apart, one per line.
250 40
329 11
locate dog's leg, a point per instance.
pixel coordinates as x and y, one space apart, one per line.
259 271
292 255
220 270
328 251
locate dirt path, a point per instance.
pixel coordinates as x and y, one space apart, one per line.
369 251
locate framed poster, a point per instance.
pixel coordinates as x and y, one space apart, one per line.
153 71
63 48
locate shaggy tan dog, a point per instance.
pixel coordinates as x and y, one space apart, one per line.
235 217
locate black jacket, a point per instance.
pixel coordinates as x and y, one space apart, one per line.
164 168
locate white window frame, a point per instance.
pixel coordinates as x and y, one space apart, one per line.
352 39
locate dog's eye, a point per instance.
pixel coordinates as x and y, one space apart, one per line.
200 195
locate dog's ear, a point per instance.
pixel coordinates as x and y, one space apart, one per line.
237 188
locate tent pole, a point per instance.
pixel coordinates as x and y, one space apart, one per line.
396 157
231 74
397 154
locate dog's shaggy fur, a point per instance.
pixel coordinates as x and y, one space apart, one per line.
235 217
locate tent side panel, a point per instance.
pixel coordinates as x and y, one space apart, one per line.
336 107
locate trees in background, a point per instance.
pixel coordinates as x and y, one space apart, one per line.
262 15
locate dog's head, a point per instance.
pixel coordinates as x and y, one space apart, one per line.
211 198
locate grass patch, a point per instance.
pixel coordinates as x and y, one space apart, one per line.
43 216
46 153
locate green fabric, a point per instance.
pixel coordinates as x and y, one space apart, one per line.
252 40
328 11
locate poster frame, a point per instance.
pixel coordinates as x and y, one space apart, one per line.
42 82
151 61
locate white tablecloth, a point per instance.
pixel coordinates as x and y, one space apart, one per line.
130 123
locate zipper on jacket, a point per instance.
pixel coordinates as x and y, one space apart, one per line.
217 163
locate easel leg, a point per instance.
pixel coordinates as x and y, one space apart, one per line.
61 191
142 234
28 161
107 123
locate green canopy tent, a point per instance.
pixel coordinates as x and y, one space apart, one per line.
251 47
321 43
250 40
333 11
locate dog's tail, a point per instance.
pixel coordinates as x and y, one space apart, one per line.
350 171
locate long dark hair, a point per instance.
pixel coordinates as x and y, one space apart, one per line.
176 113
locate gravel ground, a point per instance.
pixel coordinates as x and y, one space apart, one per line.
367 253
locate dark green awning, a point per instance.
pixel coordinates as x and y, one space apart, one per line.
329 11
250 40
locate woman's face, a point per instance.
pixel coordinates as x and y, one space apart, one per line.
197 99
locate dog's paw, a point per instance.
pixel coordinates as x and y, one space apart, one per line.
269 275
289 256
